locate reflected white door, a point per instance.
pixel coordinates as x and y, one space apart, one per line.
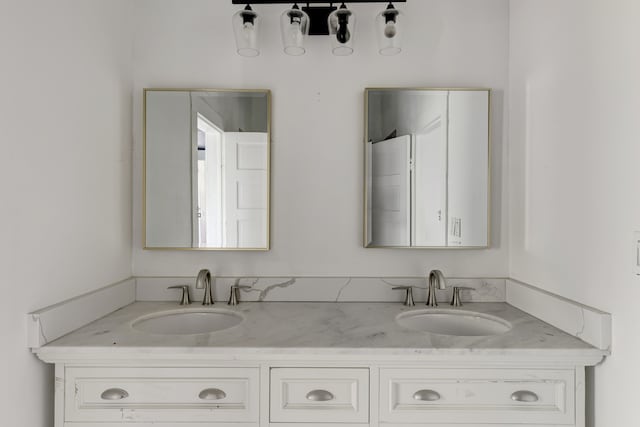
245 189
207 185
430 185
390 192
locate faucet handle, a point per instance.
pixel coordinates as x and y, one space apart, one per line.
234 293
185 299
408 298
455 298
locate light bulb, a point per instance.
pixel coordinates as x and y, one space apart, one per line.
296 32
343 34
390 30
248 31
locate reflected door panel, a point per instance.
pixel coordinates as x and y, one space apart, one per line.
245 177
391 187
208 184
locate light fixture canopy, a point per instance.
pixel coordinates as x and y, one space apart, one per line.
389 31
297 23
294 26
246 26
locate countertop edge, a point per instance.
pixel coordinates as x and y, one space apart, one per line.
81 355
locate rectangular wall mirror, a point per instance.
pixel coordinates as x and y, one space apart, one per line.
427 168
206 169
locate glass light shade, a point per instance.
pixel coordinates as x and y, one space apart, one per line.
342 25
389 31
294 26
246 25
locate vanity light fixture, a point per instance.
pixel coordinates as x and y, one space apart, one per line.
297 23
342 24
246 24
294 26
389 31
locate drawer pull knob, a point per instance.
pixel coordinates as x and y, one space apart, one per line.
524 396
212 394
114 394
426 395
320 396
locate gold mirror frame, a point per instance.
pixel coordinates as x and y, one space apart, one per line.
366 167
267 92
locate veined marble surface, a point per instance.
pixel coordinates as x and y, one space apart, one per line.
322 289
356 329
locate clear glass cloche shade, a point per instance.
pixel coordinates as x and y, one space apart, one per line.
389 31
294 26
246 25
342 24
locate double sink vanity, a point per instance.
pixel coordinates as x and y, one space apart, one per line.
319 364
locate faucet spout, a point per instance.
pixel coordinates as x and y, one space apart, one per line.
203 281
436 281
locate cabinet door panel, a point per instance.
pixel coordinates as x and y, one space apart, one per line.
484 396
319 395
161 394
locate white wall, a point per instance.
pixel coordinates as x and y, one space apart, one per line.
65 180
318 100
573 170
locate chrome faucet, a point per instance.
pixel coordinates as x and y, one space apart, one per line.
436 281
204 281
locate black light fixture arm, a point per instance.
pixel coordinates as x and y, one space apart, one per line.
311 1
317 18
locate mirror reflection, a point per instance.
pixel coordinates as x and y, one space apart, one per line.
207 169
427 168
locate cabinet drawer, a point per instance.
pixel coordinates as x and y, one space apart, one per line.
319 395
161 394
497 396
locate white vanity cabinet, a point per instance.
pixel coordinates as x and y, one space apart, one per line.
319 393
318 365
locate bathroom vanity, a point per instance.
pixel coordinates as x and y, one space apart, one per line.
317 364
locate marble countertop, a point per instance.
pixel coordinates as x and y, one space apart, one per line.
294 329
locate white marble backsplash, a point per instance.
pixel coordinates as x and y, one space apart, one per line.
321 289
54 321
587 323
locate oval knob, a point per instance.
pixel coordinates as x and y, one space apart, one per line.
212 394
426 395
319 395
114 394
524 396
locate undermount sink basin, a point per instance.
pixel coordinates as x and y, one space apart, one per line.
453 322
187 322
